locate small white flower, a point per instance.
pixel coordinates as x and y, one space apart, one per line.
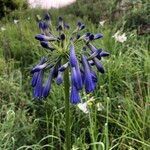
28 18
3 28
99 106
102 22
83 107
16 21
120 38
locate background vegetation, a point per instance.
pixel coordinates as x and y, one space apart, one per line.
123 92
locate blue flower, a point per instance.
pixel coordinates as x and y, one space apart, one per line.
72 58
98 65
34 79
104 54
47 86
76 78
74 95
98 36
66 26
100 53
59 78
63 67
80 25
62 37
91 47
46 45
38 88
47 17
67 54
41 24
42 37
94 77
38 68
88 81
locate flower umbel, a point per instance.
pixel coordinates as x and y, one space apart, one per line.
64 53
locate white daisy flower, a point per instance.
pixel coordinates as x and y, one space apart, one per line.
83 107
102 23
16 21
120 37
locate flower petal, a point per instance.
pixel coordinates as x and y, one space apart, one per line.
59 78
89 84
76 78
46 45
74 95
34 79
47 86
39 86
98 65
104 54
72 58
98 36
42 37
38 68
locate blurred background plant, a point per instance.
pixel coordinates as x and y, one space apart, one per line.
7 6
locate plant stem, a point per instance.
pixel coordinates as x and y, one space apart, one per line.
67 110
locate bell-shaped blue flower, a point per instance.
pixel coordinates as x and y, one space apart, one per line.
47 17
59 78
80 25
94 50
62 37
94 77
73 58
38 68
91 47
104 54
37 93
66 26
34 79
88 37
45 26
98 65
47 86
41 24
88 81
76 78
46 45
74 95
63 67
42 37
56 69
98 36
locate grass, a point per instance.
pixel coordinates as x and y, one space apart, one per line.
123 91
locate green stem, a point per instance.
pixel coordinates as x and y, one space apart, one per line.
67 110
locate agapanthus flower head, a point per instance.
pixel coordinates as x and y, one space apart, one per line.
80 25
65 54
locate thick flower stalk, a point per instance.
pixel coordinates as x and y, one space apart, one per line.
64 53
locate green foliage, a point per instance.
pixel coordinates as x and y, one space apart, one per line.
138 16
6 6
129 13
